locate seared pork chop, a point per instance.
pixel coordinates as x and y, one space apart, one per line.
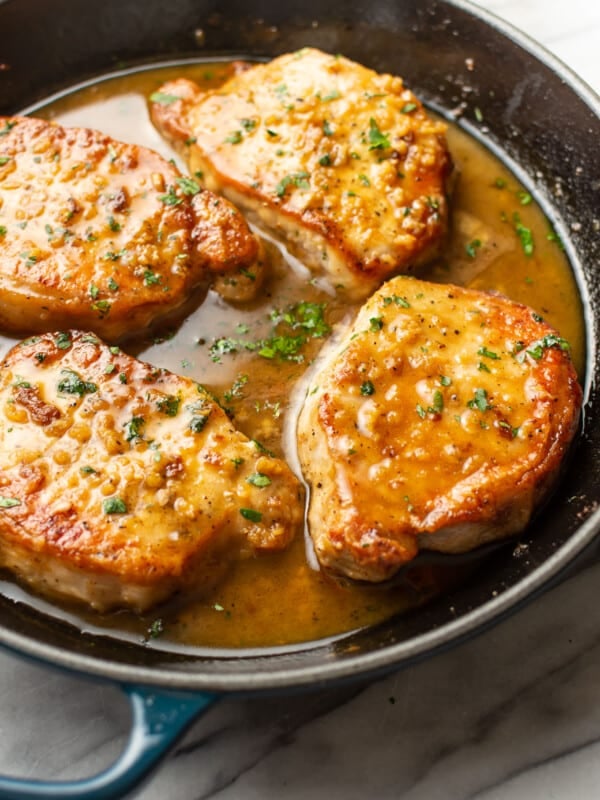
439 421
121 483
106 236
339 161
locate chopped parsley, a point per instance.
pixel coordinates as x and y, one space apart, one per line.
285 347
525 198
408 108
9 502
436 408
10 124
156 628
236 390
377 139
375 324
525 235
438 402
306 318
367 389
63 341
397 300
483 351
102 306
552 236
133 428
327 129
72 383
332 95
163 98
536 350
251 514
235 137
170 199
151 278
506 426
198 422
114 505
189 186
29 259
169 405
299 179
480 401
261 448
112 256
473 247
258 479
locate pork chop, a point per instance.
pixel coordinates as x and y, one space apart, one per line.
106 236
342 163
439 421
121 483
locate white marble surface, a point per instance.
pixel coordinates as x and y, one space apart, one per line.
512 714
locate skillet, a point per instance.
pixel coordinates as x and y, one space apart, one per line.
541 120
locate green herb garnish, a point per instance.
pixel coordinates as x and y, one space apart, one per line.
367 388
480 400
189 186
72 383
258 479
163 98
9 502
114 505
377 139
169 405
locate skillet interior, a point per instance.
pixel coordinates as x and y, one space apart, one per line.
545 124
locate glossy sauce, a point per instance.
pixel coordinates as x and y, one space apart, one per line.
281 599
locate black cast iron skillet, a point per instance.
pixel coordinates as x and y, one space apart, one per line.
542 121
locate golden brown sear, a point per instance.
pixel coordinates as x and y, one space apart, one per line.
107 236
121 483
341 162
439 422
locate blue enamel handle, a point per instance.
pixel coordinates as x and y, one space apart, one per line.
159 718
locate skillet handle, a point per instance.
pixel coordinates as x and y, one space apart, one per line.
159 718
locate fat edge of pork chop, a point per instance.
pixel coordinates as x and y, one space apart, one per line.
108 236
121 483
341 162
440 421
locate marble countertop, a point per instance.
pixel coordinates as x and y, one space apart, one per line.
512 714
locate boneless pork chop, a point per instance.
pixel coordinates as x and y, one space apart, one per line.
106 236
121 483
341 162
438 422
